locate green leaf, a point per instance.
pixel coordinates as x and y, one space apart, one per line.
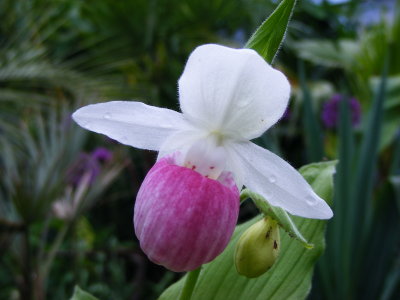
312 128
391 120
80 294
395 181
357 218
269 36
328 53
364 180
289 278
395 166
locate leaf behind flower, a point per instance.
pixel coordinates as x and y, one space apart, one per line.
289 278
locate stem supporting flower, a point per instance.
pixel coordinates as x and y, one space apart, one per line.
190 283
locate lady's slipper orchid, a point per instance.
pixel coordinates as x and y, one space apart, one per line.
187 206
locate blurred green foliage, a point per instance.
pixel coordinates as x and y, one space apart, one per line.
58 55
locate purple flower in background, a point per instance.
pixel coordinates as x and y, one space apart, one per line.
102 154
88 164
85 163
331 111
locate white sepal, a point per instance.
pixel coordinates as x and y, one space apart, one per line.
131 123
279 183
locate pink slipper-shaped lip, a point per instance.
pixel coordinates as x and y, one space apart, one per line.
182 218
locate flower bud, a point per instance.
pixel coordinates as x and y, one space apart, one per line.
258 248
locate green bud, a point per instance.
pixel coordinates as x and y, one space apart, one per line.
258 248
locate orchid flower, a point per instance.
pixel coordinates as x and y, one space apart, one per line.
187 206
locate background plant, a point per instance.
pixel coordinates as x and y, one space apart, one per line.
56 56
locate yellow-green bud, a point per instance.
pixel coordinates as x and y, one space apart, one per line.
258 248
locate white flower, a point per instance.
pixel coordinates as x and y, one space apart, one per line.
227 97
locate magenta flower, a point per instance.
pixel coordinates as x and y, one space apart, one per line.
188 204
187 215
102 154
331 111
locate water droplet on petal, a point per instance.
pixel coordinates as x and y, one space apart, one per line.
311 200
272 178
243 103
107 116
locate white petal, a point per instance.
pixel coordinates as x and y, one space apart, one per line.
279 183
206 157
181 141
234 165
233 91
131 123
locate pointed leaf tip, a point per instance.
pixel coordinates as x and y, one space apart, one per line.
269 36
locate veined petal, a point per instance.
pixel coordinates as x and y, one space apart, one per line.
131 123
233 91
182 218
279 183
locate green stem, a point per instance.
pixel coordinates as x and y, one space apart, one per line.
27 287
190 283
53 251
43 238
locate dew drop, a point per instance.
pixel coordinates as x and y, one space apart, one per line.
242 103
311 200
272 178
107 116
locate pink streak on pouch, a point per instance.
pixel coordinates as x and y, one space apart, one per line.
183 219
